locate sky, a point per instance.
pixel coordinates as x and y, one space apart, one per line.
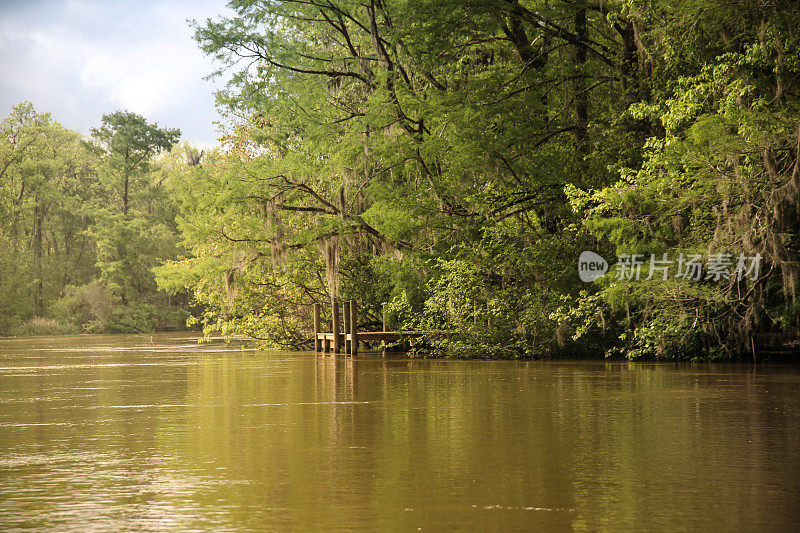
80 59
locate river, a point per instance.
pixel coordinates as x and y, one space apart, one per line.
154 433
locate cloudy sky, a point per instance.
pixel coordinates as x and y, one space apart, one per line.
79 59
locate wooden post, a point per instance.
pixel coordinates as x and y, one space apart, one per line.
346 312
383 317
317 340
326 343
337 341
353 327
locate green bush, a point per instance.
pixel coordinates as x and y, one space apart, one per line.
87 307
44 326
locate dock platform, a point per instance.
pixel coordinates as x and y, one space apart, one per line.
346 340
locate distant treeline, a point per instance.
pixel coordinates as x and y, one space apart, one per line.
83 222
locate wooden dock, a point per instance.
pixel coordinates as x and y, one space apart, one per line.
346 340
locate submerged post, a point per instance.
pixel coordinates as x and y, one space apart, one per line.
353 322
346 312
317 340
337 346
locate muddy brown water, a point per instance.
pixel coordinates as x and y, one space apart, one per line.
154 433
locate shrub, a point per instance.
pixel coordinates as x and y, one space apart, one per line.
87 307
44 326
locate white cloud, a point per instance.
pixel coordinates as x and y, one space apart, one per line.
146 92
81 59
145 79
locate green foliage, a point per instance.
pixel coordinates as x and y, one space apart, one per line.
44 326
66 254
722 178
87 306
399 141
453 159
448 159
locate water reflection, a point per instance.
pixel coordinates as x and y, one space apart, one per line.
123 433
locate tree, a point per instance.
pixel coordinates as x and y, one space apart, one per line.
131 239
44 180
454 158
405 140
60 230
127 144
723 178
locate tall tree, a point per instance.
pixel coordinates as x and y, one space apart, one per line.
128 240
127 144
43 180
454 158
407 140
720 180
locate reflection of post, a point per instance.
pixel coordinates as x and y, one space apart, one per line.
353 327
317 340
383 317
346 312
337 346
350 379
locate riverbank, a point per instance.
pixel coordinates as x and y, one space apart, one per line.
43 326
776 350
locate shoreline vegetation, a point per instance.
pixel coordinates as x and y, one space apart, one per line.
450 159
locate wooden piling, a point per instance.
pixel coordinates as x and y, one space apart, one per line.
346 313
317 340
337 341
353 323
344 338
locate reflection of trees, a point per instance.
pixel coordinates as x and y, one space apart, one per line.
258 441
334 442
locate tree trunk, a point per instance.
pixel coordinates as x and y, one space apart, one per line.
37 258
125 194
581 97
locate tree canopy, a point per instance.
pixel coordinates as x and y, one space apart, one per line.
82 223
454 159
